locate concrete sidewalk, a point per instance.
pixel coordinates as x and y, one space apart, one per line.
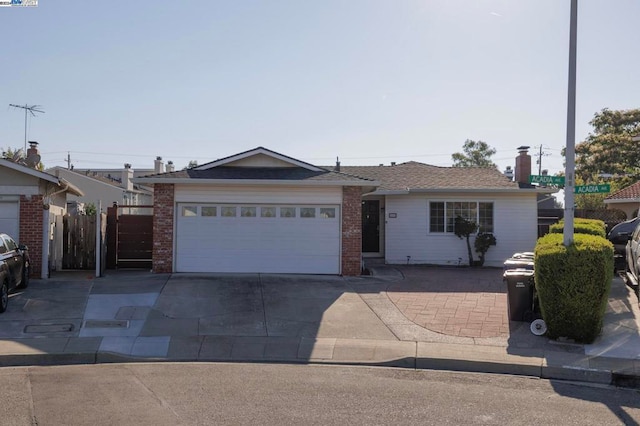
140 317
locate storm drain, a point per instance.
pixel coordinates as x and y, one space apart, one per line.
48 328
106 324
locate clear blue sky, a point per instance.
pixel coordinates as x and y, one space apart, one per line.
370 81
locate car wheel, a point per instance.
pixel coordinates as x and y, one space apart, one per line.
4 297
25 277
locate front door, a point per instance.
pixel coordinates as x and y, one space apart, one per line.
371 226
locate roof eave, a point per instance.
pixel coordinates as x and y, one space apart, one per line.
388 192
70 188
485 190
621 200
29 171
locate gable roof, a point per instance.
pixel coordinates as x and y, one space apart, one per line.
28 171
413 176
116 184
257 152
629 194
65 185
259 166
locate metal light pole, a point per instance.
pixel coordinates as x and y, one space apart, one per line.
569 188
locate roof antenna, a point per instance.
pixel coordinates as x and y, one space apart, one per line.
337 169
27 109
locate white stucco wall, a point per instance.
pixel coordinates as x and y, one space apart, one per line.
627 207
515 229
13 182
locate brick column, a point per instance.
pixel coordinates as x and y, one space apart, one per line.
351 230
31 218
163 200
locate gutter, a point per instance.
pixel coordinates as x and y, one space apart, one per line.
622 200
521 191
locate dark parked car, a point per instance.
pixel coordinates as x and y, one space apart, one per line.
14 268
619 236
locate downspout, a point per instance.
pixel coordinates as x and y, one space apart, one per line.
48 197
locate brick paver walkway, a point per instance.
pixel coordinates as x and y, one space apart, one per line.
458 302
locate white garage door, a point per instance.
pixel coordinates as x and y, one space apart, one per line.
258 238
9 219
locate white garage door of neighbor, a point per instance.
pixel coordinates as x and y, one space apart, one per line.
9 219
258 238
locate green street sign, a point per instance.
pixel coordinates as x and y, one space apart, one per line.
546 180
593 189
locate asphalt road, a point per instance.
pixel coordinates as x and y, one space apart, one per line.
203 394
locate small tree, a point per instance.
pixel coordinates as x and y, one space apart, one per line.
463 228
475 154
483 241
90 209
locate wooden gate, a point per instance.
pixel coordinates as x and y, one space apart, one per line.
129 236
79 242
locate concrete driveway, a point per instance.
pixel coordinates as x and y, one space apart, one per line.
262 305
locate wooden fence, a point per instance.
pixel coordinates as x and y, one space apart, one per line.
79 242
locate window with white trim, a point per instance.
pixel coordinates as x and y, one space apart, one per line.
442 215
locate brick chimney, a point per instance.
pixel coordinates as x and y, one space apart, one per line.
33 148
32 159
158 165
127 175
170 167
523 165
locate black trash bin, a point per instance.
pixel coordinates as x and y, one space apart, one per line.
520 294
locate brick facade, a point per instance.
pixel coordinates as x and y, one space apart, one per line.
163 196
31 218
351 230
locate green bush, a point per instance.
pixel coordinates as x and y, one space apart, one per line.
573 285
582 226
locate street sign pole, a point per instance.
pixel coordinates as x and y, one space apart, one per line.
570 152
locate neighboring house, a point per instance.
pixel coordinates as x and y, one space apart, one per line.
627 199
30 203
158 167
105 190
260 211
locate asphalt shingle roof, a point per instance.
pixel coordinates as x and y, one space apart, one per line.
261 173
416 176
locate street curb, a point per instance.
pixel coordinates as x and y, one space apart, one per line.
47 359
564 373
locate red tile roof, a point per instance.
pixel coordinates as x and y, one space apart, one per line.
631 192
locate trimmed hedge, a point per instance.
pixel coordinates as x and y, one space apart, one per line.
582 226
573 285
